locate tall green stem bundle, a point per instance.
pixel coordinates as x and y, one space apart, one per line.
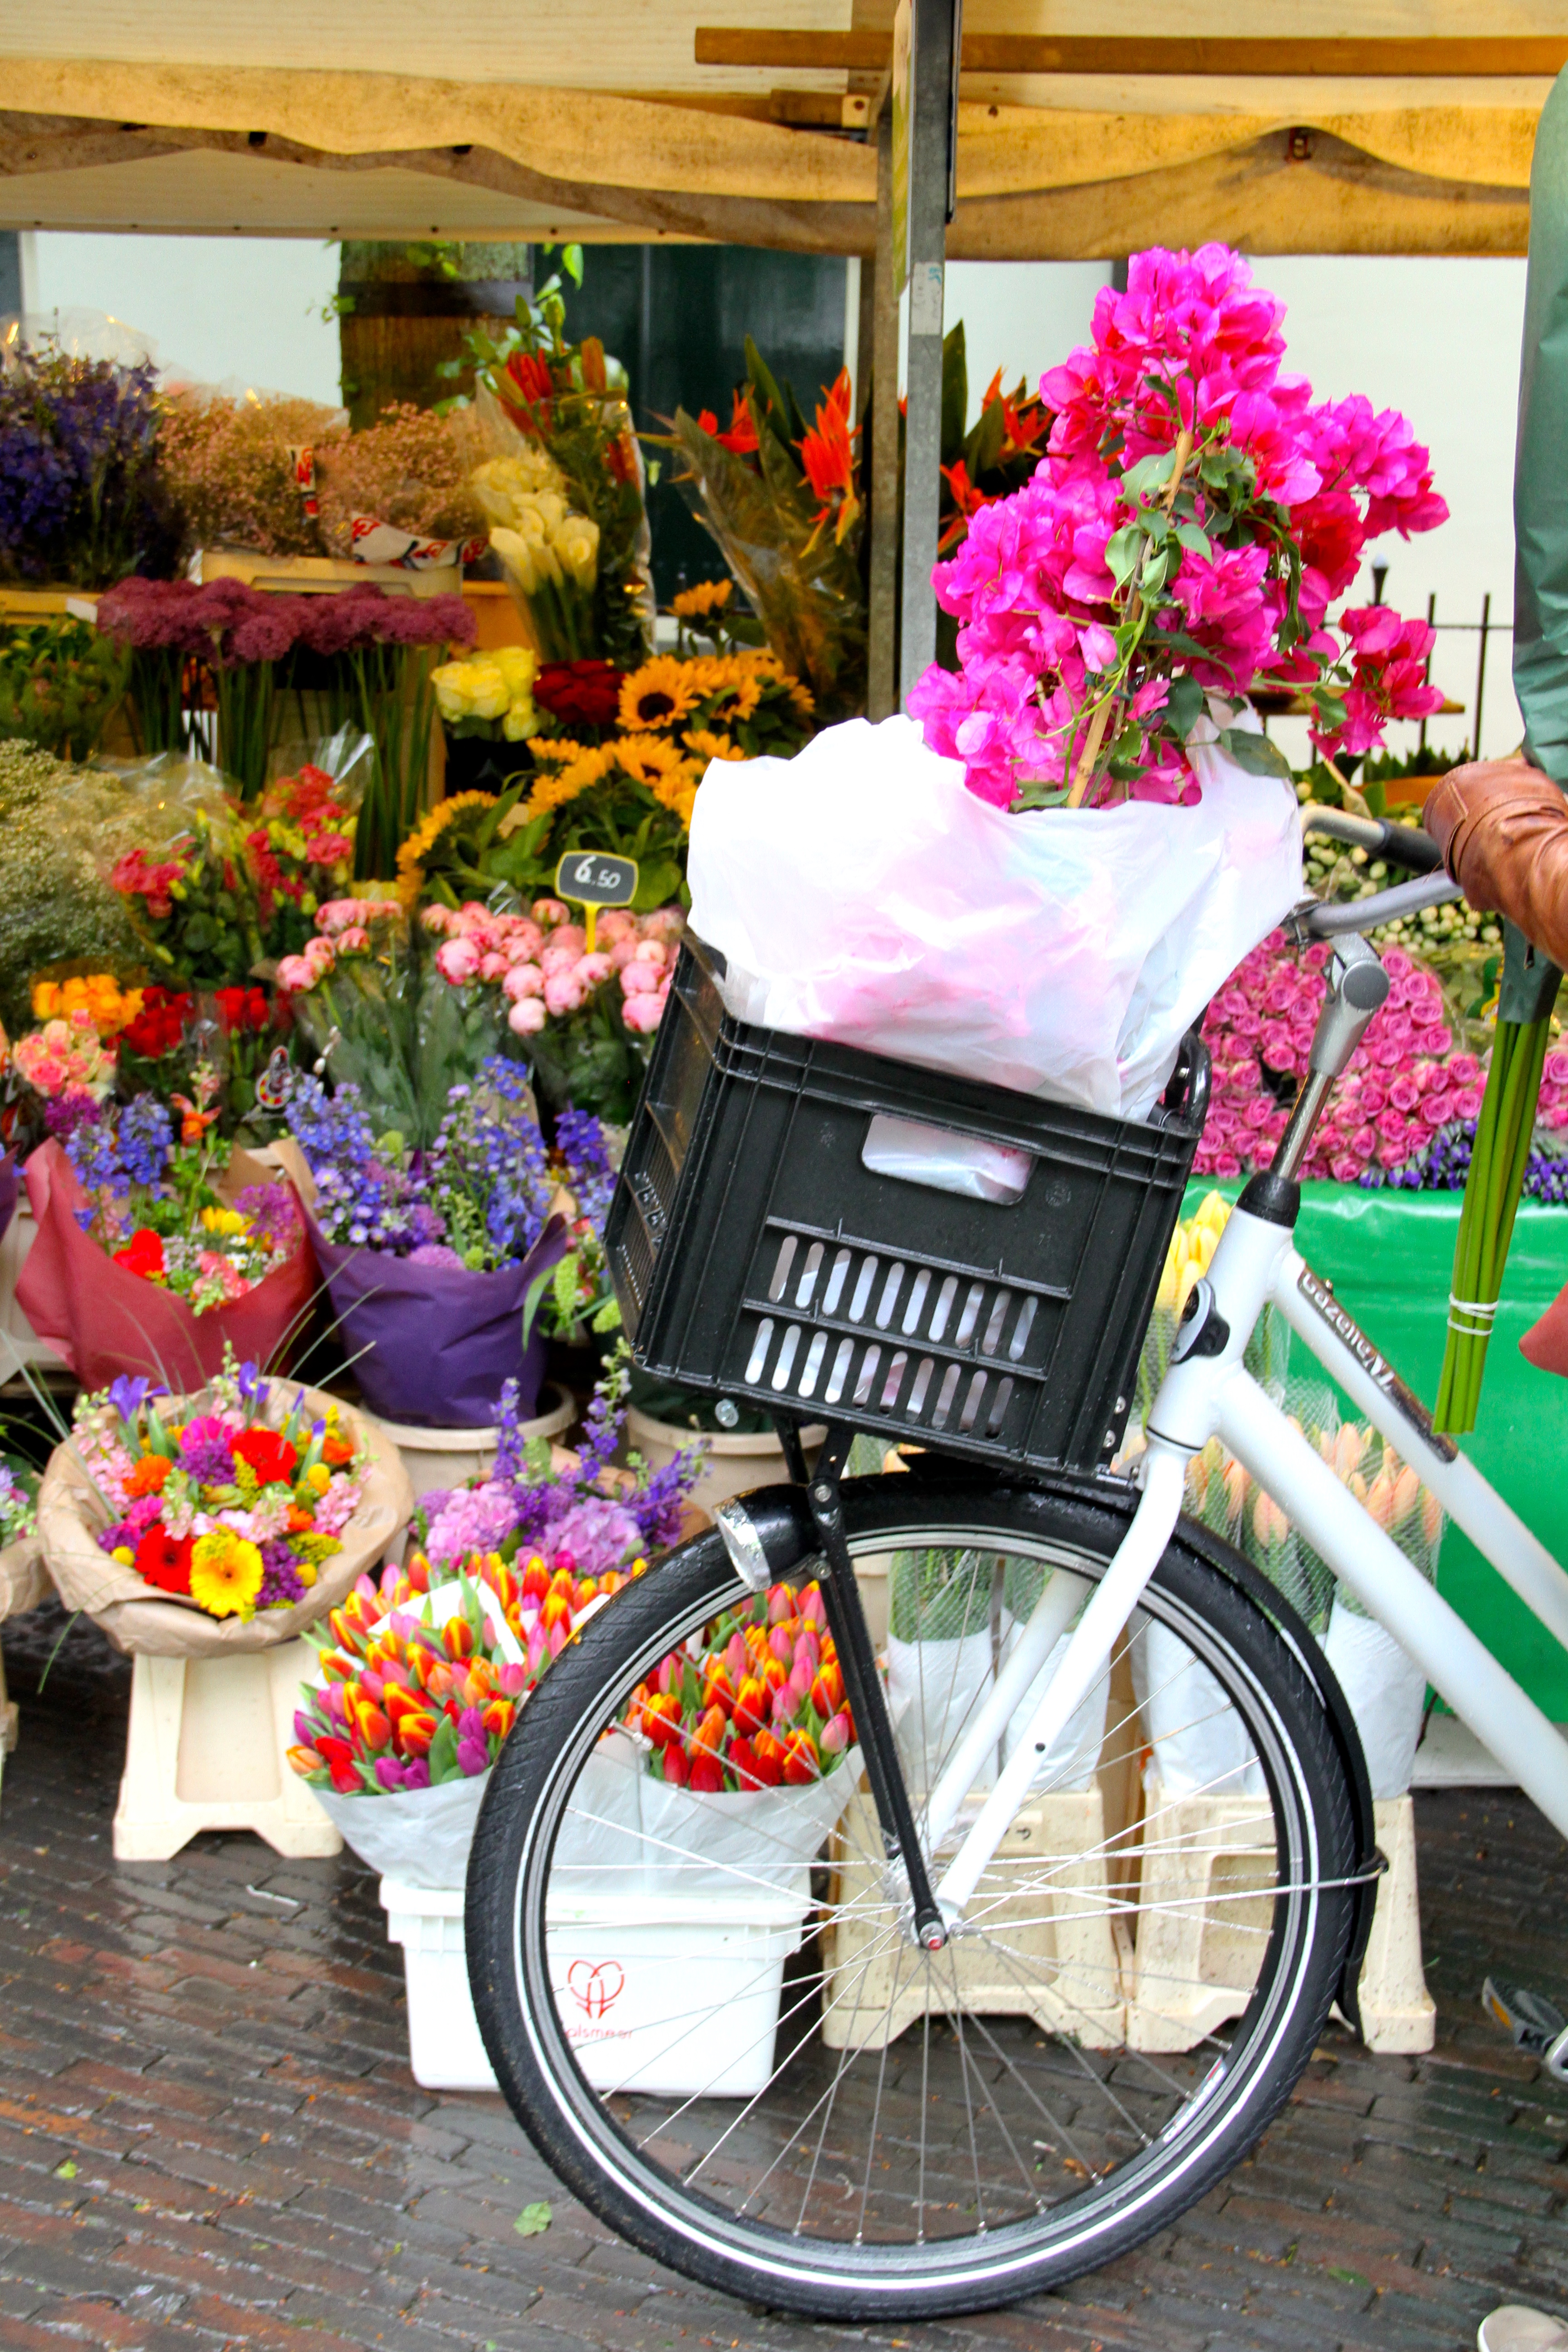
1496 1180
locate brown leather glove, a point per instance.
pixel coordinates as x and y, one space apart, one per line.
1502 827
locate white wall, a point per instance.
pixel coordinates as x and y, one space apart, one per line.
217 307
1436 339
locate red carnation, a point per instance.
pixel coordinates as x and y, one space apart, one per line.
272 1458
164 1560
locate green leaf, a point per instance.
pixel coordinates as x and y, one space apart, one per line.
1124 551
443 1758
954 394
1349 2278
534 2220
1256 753
1193 535
66 2172
1149 474
1184 704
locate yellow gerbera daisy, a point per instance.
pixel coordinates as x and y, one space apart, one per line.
658 695
225 1573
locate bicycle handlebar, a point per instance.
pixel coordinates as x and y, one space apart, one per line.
1321 920
1401 843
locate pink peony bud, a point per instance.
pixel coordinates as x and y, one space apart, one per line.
457 961
522 980
527 1018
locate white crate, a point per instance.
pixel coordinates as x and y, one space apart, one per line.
628 1967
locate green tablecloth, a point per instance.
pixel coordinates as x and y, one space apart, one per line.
1390 1256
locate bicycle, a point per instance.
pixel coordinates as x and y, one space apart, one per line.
980 2033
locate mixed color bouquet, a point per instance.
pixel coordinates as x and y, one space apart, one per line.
1195 517
192 900
761 1705
235 1506
65 1063
301 848
407 1699
153 1207
559 410
19 1503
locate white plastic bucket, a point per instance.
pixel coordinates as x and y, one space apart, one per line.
626 1966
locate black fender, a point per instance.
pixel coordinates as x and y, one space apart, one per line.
781 1519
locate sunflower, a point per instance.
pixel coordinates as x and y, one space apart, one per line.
735 700
707 596
658 695
431 828
648 758
553 791
709 746
556 751
225 1573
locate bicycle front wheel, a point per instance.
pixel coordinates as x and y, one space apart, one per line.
707 2007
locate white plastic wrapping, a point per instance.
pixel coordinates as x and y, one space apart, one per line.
1386 1691
1202 1746
857 892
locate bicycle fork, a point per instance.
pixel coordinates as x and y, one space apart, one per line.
936 1909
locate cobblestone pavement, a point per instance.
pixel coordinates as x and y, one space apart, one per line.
209 2134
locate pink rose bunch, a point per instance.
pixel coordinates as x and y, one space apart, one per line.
344 927
542 962
1195 516
1405 1080
66 1057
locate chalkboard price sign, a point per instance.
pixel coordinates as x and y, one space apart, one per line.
593 881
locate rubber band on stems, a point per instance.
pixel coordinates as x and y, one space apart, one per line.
1481 1311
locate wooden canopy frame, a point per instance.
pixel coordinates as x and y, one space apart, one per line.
1072 144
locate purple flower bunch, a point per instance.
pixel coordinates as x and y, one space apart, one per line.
478 1198
118 1152
227 623
586 1517
80 495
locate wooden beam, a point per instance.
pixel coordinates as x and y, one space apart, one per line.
1510 56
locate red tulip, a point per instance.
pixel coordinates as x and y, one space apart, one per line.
676 1771
802 1765
768 1753
707 1776
718 1690
751 1705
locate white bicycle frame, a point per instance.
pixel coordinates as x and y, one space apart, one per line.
1206 1395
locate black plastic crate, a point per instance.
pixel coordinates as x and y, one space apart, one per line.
755 1254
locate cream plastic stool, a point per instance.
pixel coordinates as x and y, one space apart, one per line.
1200 1934
206 1751
1057 1959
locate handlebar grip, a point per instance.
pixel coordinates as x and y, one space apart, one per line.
1405 846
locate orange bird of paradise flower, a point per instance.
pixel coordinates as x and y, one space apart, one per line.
827 456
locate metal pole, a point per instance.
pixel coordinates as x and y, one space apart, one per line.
882 588
933 49
1426 672
1481 669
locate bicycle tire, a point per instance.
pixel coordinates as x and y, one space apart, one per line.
592 2147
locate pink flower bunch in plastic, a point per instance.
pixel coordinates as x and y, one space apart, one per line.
1403 1083
344 927
1195 517
543 965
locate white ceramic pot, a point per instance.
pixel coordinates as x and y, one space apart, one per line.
438 1458
734 1463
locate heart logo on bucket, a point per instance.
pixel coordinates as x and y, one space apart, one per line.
596 1986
